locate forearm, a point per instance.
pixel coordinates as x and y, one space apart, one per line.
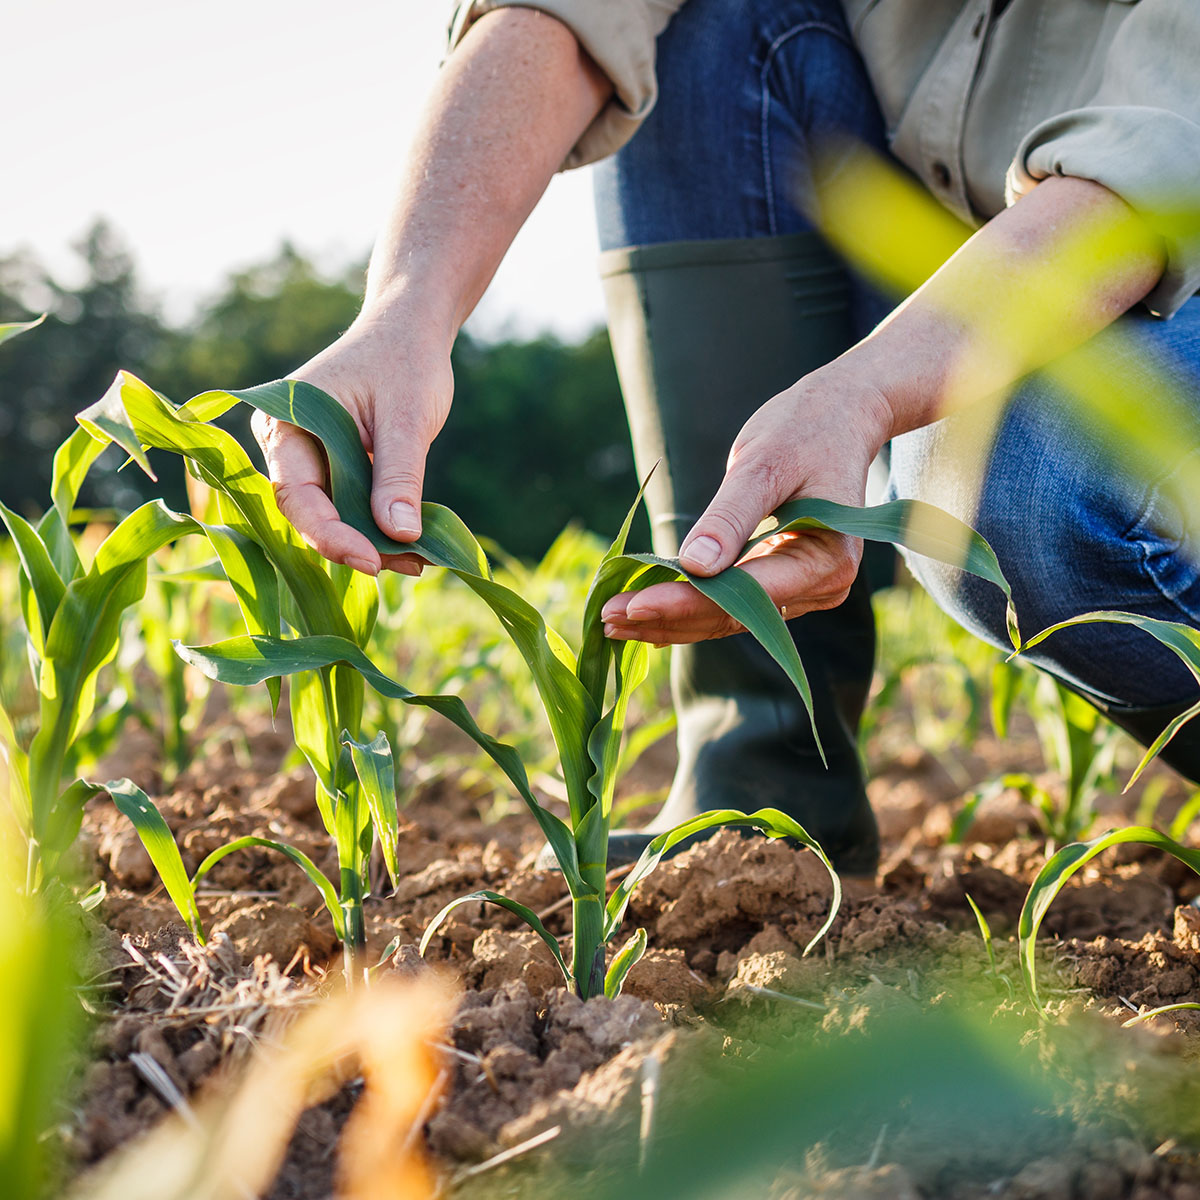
509 103
1038 280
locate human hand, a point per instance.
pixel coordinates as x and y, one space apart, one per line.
397 386
818 438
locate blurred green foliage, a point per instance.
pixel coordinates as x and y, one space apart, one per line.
536 439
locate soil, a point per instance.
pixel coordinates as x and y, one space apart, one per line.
723 997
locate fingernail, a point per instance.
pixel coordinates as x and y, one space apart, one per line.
644 614
404 518
413 569
704 552
363 565
612 611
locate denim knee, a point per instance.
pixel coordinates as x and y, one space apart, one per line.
1072 535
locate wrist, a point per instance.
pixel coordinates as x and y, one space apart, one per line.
410 311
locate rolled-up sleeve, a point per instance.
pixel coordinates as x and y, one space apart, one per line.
619 35
1139 137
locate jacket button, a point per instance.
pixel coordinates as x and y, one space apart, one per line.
941 174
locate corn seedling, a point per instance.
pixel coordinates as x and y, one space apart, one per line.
586 696
1184 641
1076 740
279 584
72 615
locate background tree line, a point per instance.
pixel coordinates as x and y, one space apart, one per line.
536 437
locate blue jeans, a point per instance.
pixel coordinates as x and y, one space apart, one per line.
746 87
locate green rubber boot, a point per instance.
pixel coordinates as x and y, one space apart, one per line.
703 333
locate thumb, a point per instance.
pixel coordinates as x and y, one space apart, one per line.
746 495
397 479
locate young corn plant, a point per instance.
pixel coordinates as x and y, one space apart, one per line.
281 586
586 696
1184 641
1076 740
72 614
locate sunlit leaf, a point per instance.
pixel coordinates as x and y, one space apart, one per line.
377 773
769 821
156 836
626 957
525 913
316 877
1061 867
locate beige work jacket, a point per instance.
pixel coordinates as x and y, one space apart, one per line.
981 106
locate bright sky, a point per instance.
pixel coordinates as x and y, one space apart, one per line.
209 132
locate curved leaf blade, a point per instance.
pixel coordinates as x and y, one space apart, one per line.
1182 639
1061 867
513 906
769 821
44 580
316 878
156 836
626 957
11 329
741 596
376 770
920 527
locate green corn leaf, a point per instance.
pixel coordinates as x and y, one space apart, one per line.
254 583
604 744
914 524
376 771
597 650
1158 1012
132 413
770 821
526 914
72 461
1061 867
620 574
316 878
1182 639
60 826
359 597
629 954
85 629
350 817
45 583
446 542
160 844
82 638
246 661
1184 817
985 930
13 328
63 552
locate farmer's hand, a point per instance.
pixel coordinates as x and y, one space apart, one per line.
507 106
816 439
396 383
1035 281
